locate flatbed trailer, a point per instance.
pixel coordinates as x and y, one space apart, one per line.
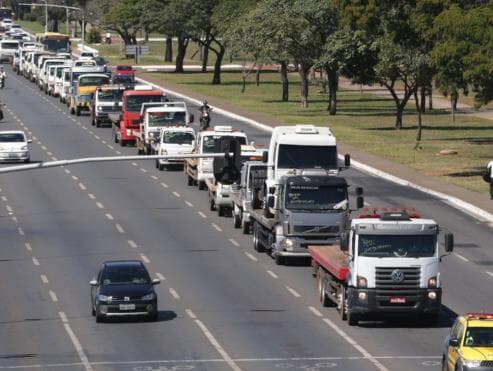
191 171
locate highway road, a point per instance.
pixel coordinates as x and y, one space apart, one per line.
222 305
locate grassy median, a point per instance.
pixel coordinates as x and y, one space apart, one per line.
363 120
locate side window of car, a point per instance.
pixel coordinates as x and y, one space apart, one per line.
454 333
99 274
460 332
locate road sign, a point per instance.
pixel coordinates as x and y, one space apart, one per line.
136 49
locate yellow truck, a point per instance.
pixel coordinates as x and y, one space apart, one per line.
82 91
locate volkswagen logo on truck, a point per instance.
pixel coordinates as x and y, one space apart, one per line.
397 276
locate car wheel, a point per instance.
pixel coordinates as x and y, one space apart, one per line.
72 111
236 220
279 260
221 211
246 227
153 317
77 111
27 160
98 123
162 167
99 316
201 186
93 311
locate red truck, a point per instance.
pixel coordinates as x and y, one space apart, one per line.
126 124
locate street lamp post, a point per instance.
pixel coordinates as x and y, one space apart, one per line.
46 15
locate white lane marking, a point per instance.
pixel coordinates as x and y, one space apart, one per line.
272 274
119 228
118 153
82 356
100 205
145 259
35 261
164 185
103 141
132 244
315 311
176 194
21 232
84 128
233 241
97 137
53 296
44 279
154 177
110 146
109 216
189 203
216 227
28 246
90 132
9 208
14 219
134 164
355 345
143 170
4 198
44 147
74 177
190 313
91 196
49 153
489 273
173 293
54 158
82 186
34 138
461 257
160 276
67 171
293 292
251 256
202 214
218 346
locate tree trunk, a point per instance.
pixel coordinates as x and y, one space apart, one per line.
168 54
180 55
332 82
257 74
430 98
423 99
146 35
205 58
453 104
398 117
419 108
216 79
284 81
304 71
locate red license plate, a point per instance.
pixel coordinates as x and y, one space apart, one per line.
397 300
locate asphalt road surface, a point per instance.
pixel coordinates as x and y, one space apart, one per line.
222 305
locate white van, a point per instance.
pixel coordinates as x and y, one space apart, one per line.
7 50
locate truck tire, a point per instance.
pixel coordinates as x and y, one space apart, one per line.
267 212
341 305
279 260
221 211
201 186
352 319
189 180
77 111
324 300
236 220
98 123
161 167
257 244
93 121
72 111
246 227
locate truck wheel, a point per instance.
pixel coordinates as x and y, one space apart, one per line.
279 260
267 212
116 138
221 211
352 319
72 111
77 111
257 244
236 220
123 143
93 121
189 180
98 123
162 167
201 186
323 294
246 227
341 303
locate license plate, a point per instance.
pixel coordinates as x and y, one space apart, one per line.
127 306
12 155
397 300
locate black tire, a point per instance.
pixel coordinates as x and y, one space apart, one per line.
162 167
189 180
267 212
444 365
93 311
246 227
116 138
153 317
279 260
236 221
352 319
72 111
77 111
99 316
257 244
201 186
157 164
221 211
93 122
122 143
98 123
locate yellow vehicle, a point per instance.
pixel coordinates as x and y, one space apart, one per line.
469 345
82 91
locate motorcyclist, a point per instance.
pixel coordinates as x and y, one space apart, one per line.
205 110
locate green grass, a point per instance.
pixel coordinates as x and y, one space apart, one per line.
365 121
34 27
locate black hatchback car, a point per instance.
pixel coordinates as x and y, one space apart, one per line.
123 288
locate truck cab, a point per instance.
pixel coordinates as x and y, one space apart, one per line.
107 100
44 71
83 90
58 79
174 140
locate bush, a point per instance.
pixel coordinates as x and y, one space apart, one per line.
94 36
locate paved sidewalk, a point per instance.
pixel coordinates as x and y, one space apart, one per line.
435 183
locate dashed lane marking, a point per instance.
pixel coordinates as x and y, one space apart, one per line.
44 279
176 194
100 205
109 216
35 261
190 313
91 196
189 204
143 170
54 158
119 228
233 241
80 351
154 177
118 153
251 256
53 296
28 246
4 199
67 171
74 177
202 214
489 273
132 244
293 292
315 311
145 259
97 137
43 147
160 276
216 227
82 186
103 141
110 146
461 257
164 185
272 274
14 219
134 164
9 208
21 232
173 293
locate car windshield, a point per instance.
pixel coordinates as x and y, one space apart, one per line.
313 197
93 80
12 137
210 142
122 79
10 45
402 246
125 275
166 118
479 337
178 137
307 157
110 95
134 102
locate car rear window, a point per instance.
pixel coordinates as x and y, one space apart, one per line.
12 137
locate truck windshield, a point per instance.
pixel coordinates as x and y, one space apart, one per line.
210 143
93 80
167 118
313 197
401 246
307 157
133 103
110 95
178 137
10 45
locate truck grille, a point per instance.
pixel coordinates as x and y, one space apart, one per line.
486 363
313 229
395 278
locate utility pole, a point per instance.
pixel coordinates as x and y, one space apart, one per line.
46 15
68 24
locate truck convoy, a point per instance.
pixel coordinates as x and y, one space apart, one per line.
107 100
83 89
174 141
386 263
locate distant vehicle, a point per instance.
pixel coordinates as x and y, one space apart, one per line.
124 69
127 80
123 288
87 54
469 345
54 42
101 62
174 141
6 13
14 146
7 50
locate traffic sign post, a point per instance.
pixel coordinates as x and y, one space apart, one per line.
137 51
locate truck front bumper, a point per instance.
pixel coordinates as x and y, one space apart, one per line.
394 301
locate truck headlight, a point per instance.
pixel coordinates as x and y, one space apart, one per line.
432 282
100 108
164 152
472 363
148 296
287 244
361 281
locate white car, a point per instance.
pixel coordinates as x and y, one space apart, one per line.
14 146
174 141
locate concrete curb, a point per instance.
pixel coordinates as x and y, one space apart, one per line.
457 203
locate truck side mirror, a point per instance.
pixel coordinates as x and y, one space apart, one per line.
453 343
265 156
347 160
449 242
271 201
360 202
192 117
344 241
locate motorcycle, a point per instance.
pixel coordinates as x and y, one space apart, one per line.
205 119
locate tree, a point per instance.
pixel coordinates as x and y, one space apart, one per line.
124 19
